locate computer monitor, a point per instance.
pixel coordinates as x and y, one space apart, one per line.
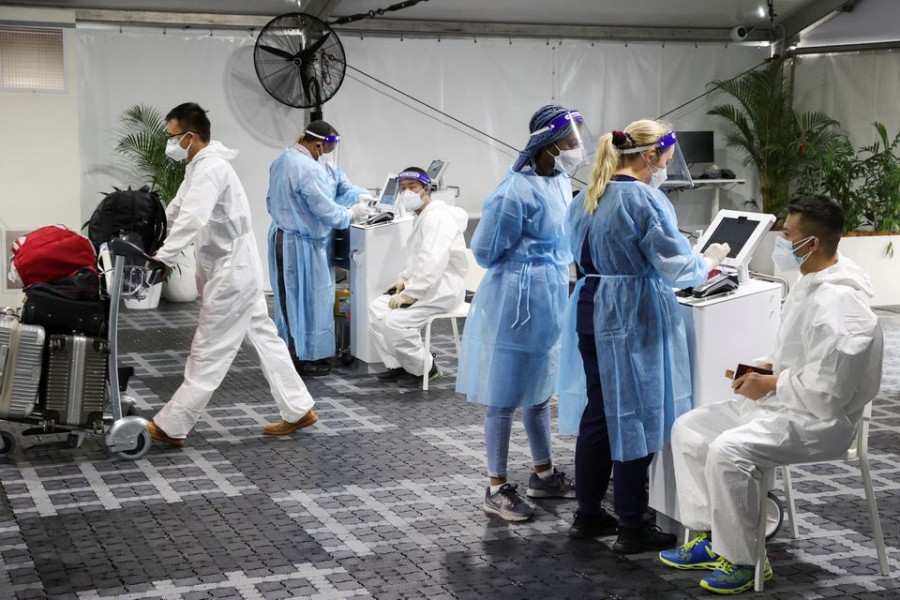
387 201
436 170
697 146
743 231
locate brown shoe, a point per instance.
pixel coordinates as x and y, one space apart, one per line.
161 436
285 428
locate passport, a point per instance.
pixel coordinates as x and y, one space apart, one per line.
743 369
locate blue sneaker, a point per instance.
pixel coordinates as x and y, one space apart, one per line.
696 554
729 578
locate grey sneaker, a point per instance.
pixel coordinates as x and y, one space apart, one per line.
555 486
507 504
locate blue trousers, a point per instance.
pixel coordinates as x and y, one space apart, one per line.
498 427
593 462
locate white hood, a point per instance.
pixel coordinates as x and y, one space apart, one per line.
217 148
845 273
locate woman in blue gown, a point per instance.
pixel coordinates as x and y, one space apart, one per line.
510 353
627 332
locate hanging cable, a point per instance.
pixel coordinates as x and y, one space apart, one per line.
708 92
435 109
481 134
374 13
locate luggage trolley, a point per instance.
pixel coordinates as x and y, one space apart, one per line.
33 391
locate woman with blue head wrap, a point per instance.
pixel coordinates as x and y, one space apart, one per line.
624 329
509 353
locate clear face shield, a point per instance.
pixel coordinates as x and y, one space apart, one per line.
577 148
668 153
330 147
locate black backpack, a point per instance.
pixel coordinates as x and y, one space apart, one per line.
129 211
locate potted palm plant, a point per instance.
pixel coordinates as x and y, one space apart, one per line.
778 141
142 142
867 184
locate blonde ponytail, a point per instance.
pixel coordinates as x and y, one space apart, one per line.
609 160
605 166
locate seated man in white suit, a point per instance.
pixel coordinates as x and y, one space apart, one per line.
433 282
827 367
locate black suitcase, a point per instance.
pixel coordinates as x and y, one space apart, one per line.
69 304
75 379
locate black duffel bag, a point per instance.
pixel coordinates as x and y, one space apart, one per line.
69 304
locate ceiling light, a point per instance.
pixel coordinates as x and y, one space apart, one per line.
761 11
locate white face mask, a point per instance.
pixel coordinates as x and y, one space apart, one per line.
568 161
657 174
783 254
174 149
326 159
411 200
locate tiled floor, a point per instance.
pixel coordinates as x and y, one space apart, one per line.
381 499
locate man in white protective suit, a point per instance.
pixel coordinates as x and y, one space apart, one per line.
827 367
211 211
431 284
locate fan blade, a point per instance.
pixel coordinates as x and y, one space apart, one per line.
304 80
312 49
278 52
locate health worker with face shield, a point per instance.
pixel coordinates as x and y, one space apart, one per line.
626 374
510 352
307 200
826 367
210 211
431 284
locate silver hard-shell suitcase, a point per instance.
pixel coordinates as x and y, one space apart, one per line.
21 353
75 379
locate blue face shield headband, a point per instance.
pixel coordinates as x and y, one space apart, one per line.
561 121
664 143
425 179
328 139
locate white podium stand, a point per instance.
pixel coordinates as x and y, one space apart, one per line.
377 255
722 332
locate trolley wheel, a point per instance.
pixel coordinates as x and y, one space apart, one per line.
142 447
7 442
774 515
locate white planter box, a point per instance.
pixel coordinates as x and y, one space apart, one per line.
870 253
181 285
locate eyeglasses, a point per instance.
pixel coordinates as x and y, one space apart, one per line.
172 135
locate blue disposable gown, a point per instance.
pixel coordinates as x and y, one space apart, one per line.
306 201
510 348
641 342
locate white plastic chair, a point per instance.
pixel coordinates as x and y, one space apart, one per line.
473 278
859 450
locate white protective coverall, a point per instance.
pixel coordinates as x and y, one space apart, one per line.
828 361
435 268
211 211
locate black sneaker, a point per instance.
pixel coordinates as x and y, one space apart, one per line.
392 374
413 381
507 504
555 486
585 527
647 538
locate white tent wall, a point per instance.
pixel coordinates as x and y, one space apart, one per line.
39 166
493 85
854 88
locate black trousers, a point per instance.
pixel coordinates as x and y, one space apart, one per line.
593 459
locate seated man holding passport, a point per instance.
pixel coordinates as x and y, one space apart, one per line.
431 284
802 405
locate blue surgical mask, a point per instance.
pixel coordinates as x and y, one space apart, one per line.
783 254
